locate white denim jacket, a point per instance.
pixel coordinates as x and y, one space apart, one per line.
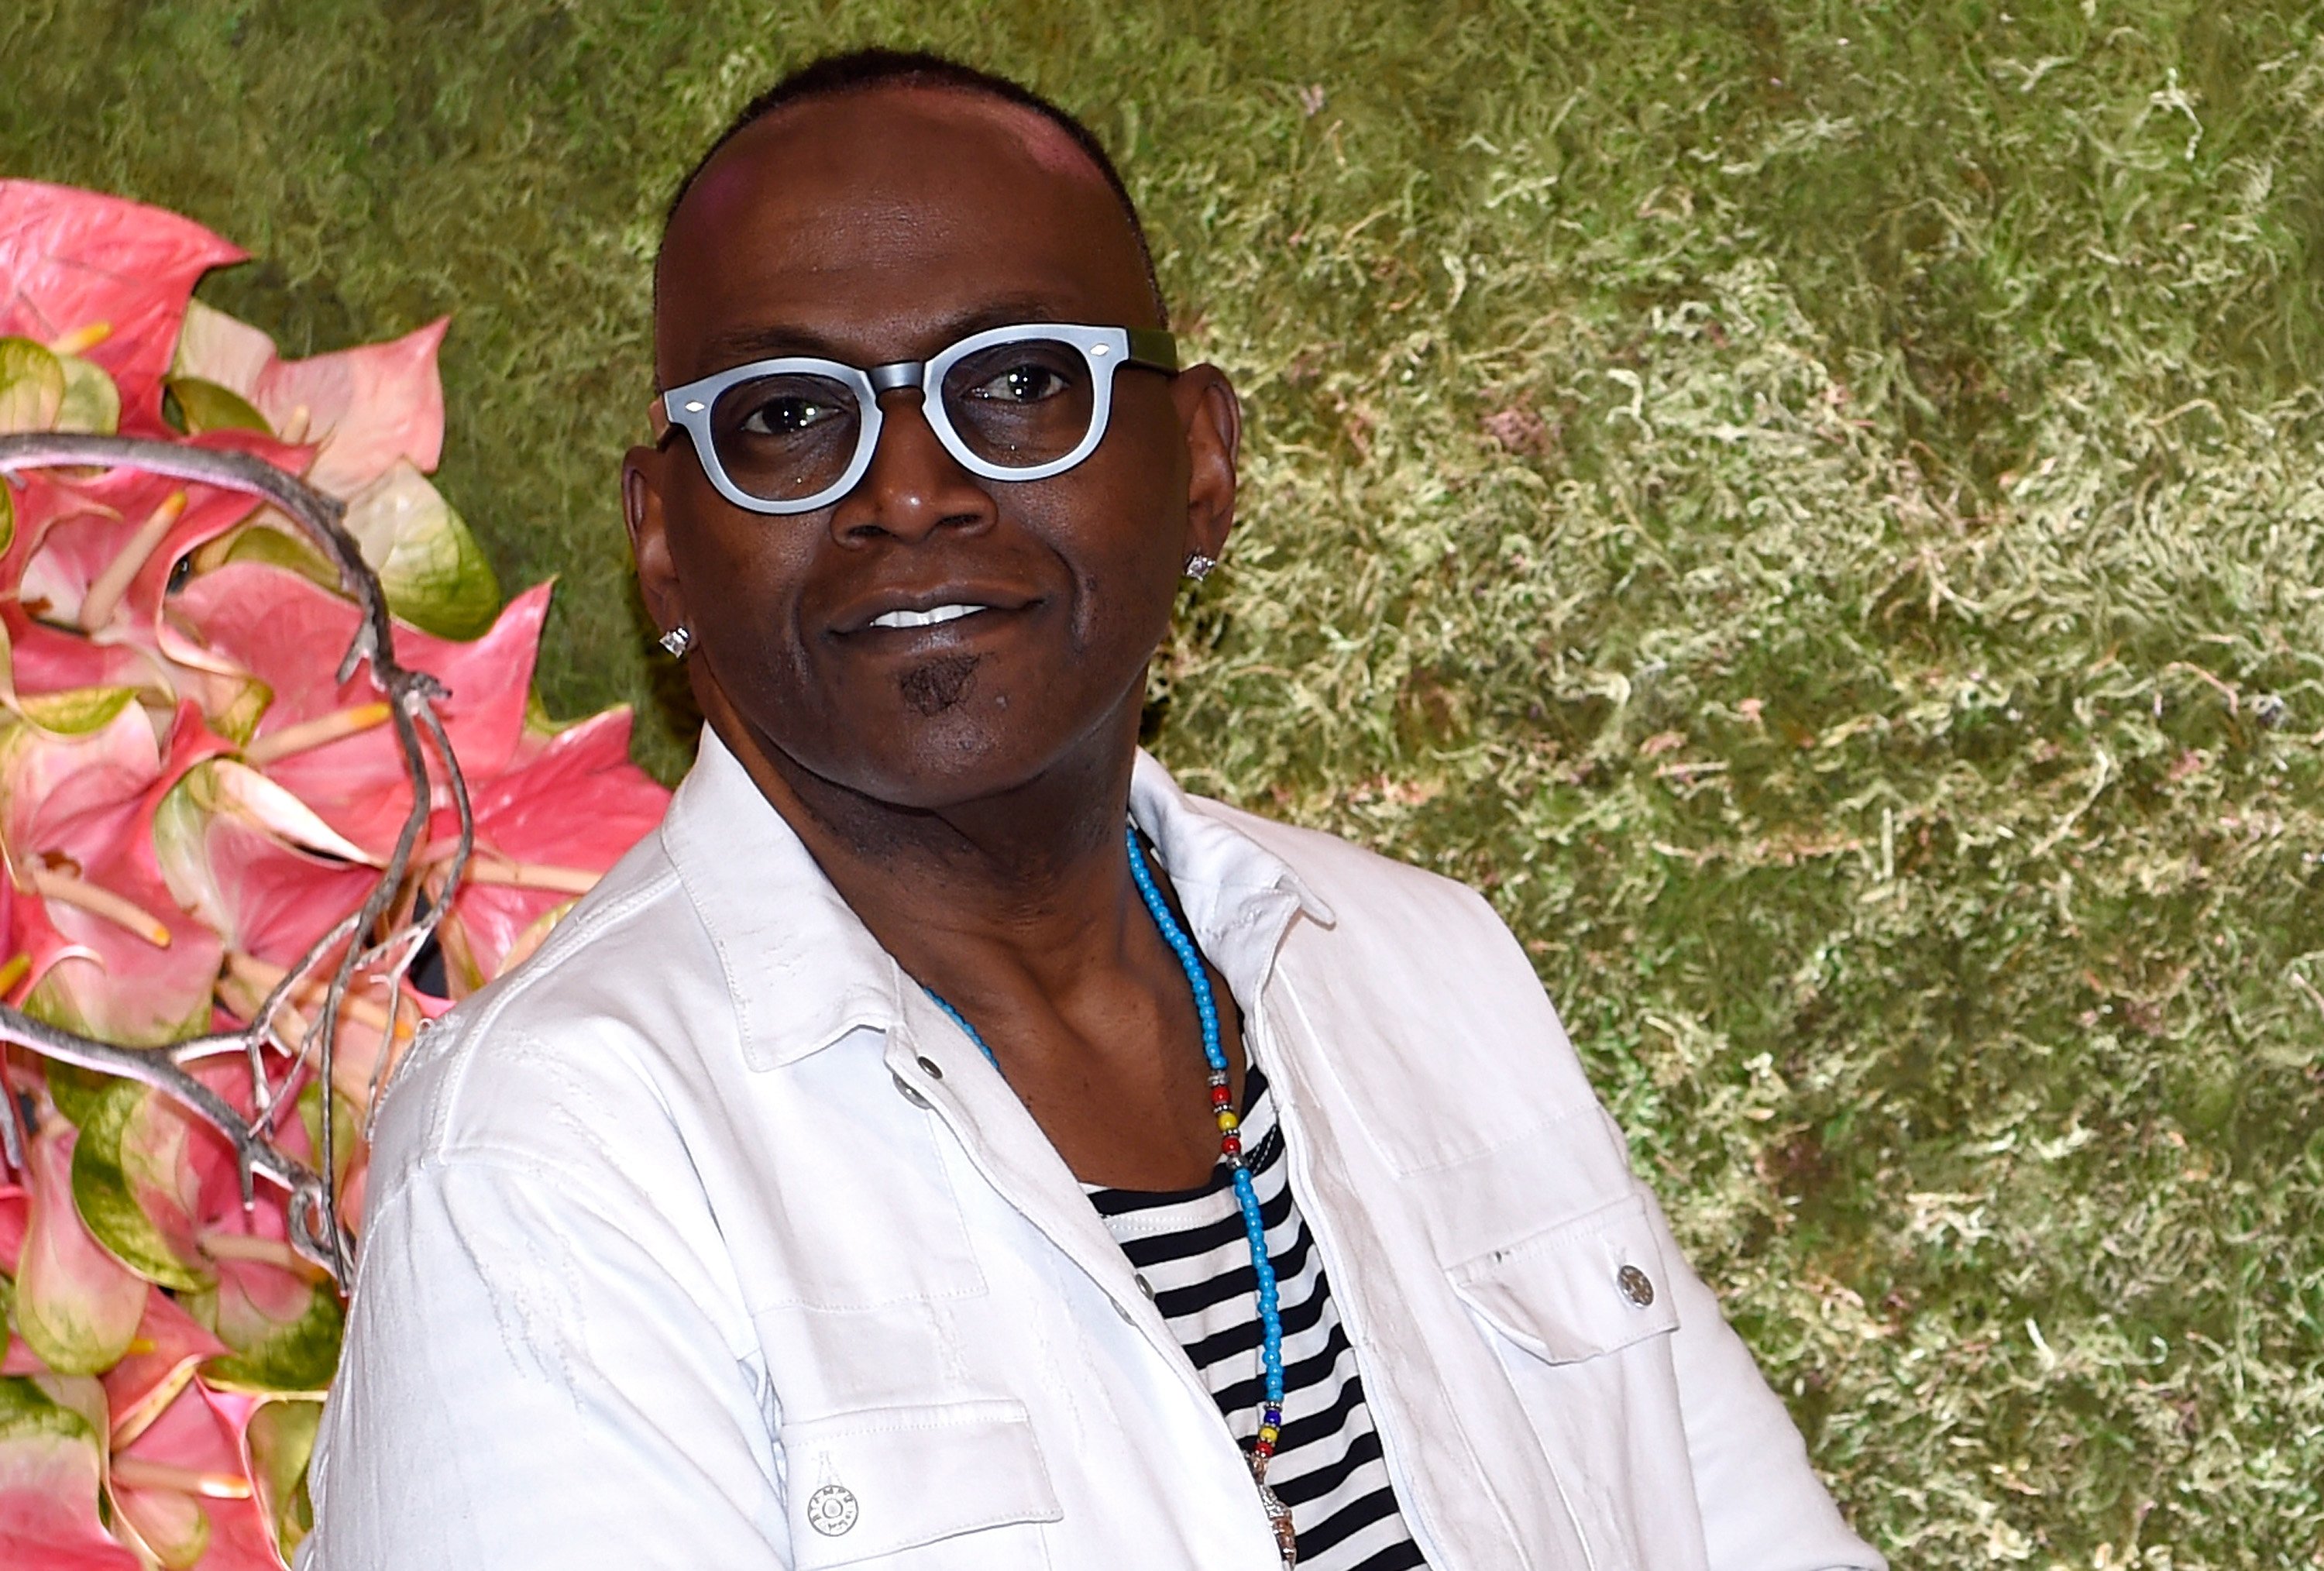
707 1241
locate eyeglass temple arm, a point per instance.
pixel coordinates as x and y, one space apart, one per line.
1153 348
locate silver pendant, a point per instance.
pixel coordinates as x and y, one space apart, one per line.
1279 1516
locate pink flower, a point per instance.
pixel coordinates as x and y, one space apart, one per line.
110 277
360 409
51 1468
110 954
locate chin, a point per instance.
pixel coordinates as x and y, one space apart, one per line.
932 764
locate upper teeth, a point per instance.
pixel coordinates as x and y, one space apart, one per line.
928 618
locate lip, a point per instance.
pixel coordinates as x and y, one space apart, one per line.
862 616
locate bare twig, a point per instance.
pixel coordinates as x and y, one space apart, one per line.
315 1230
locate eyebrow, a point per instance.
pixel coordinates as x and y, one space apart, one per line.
742 344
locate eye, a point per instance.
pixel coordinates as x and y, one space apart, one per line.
788 415
1029 383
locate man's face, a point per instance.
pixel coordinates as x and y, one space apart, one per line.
884 226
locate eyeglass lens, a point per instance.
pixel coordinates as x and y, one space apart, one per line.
1016 406
782 438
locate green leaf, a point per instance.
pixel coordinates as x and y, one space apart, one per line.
436 576
205 406
237 719
281 1441
343 1128
295 1356
77 712
27 1412
31 386
91 403
133 1187
280 549
77 1091
51 1001
537 721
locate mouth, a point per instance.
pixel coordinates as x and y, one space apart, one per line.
935 615
958 608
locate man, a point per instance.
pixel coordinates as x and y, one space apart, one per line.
945 1144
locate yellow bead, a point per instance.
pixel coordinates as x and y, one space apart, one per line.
1228 1121
1268 1433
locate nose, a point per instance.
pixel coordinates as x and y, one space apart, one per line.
913 485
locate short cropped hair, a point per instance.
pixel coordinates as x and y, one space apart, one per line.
860 70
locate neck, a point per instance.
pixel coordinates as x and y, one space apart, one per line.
1028 885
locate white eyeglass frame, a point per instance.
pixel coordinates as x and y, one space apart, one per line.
1104 349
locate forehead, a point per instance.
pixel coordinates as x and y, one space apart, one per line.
867 224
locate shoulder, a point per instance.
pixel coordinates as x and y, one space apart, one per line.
578 1053
1357 882
1367 902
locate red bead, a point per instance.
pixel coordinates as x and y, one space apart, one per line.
1232 1145
1221 1097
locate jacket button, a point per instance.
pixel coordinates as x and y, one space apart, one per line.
1144 1286
904 1089
831 1511
1636 1285
931 1068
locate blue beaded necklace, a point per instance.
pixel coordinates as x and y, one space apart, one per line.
1270 1352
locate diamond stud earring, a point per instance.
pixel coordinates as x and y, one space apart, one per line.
1198 566
676 642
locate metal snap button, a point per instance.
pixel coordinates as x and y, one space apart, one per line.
1636 1285
831 1509
905 1089
931 1068
1145 1287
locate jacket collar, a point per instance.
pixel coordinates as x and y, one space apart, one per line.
802 971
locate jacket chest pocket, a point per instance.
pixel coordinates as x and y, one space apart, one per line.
1581 1290
952 1486
1581 1316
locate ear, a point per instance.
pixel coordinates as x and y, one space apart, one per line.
642 517
1213 417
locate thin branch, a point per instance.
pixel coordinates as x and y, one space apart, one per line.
412 696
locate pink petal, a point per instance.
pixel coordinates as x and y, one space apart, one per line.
362 408
278 625
49 659
15 1215
76 1306
224 863
75 792
73 258
74 550
85 525
368 406
48 1479
169 1345
89 799
578 804
194 1438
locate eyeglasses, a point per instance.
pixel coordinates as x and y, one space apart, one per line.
1019 402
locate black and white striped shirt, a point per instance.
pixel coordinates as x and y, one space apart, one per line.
1188 1247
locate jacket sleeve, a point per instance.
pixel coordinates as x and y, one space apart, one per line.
535 1375
1763 1507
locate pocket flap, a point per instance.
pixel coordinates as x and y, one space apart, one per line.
1584 1287
880 1480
